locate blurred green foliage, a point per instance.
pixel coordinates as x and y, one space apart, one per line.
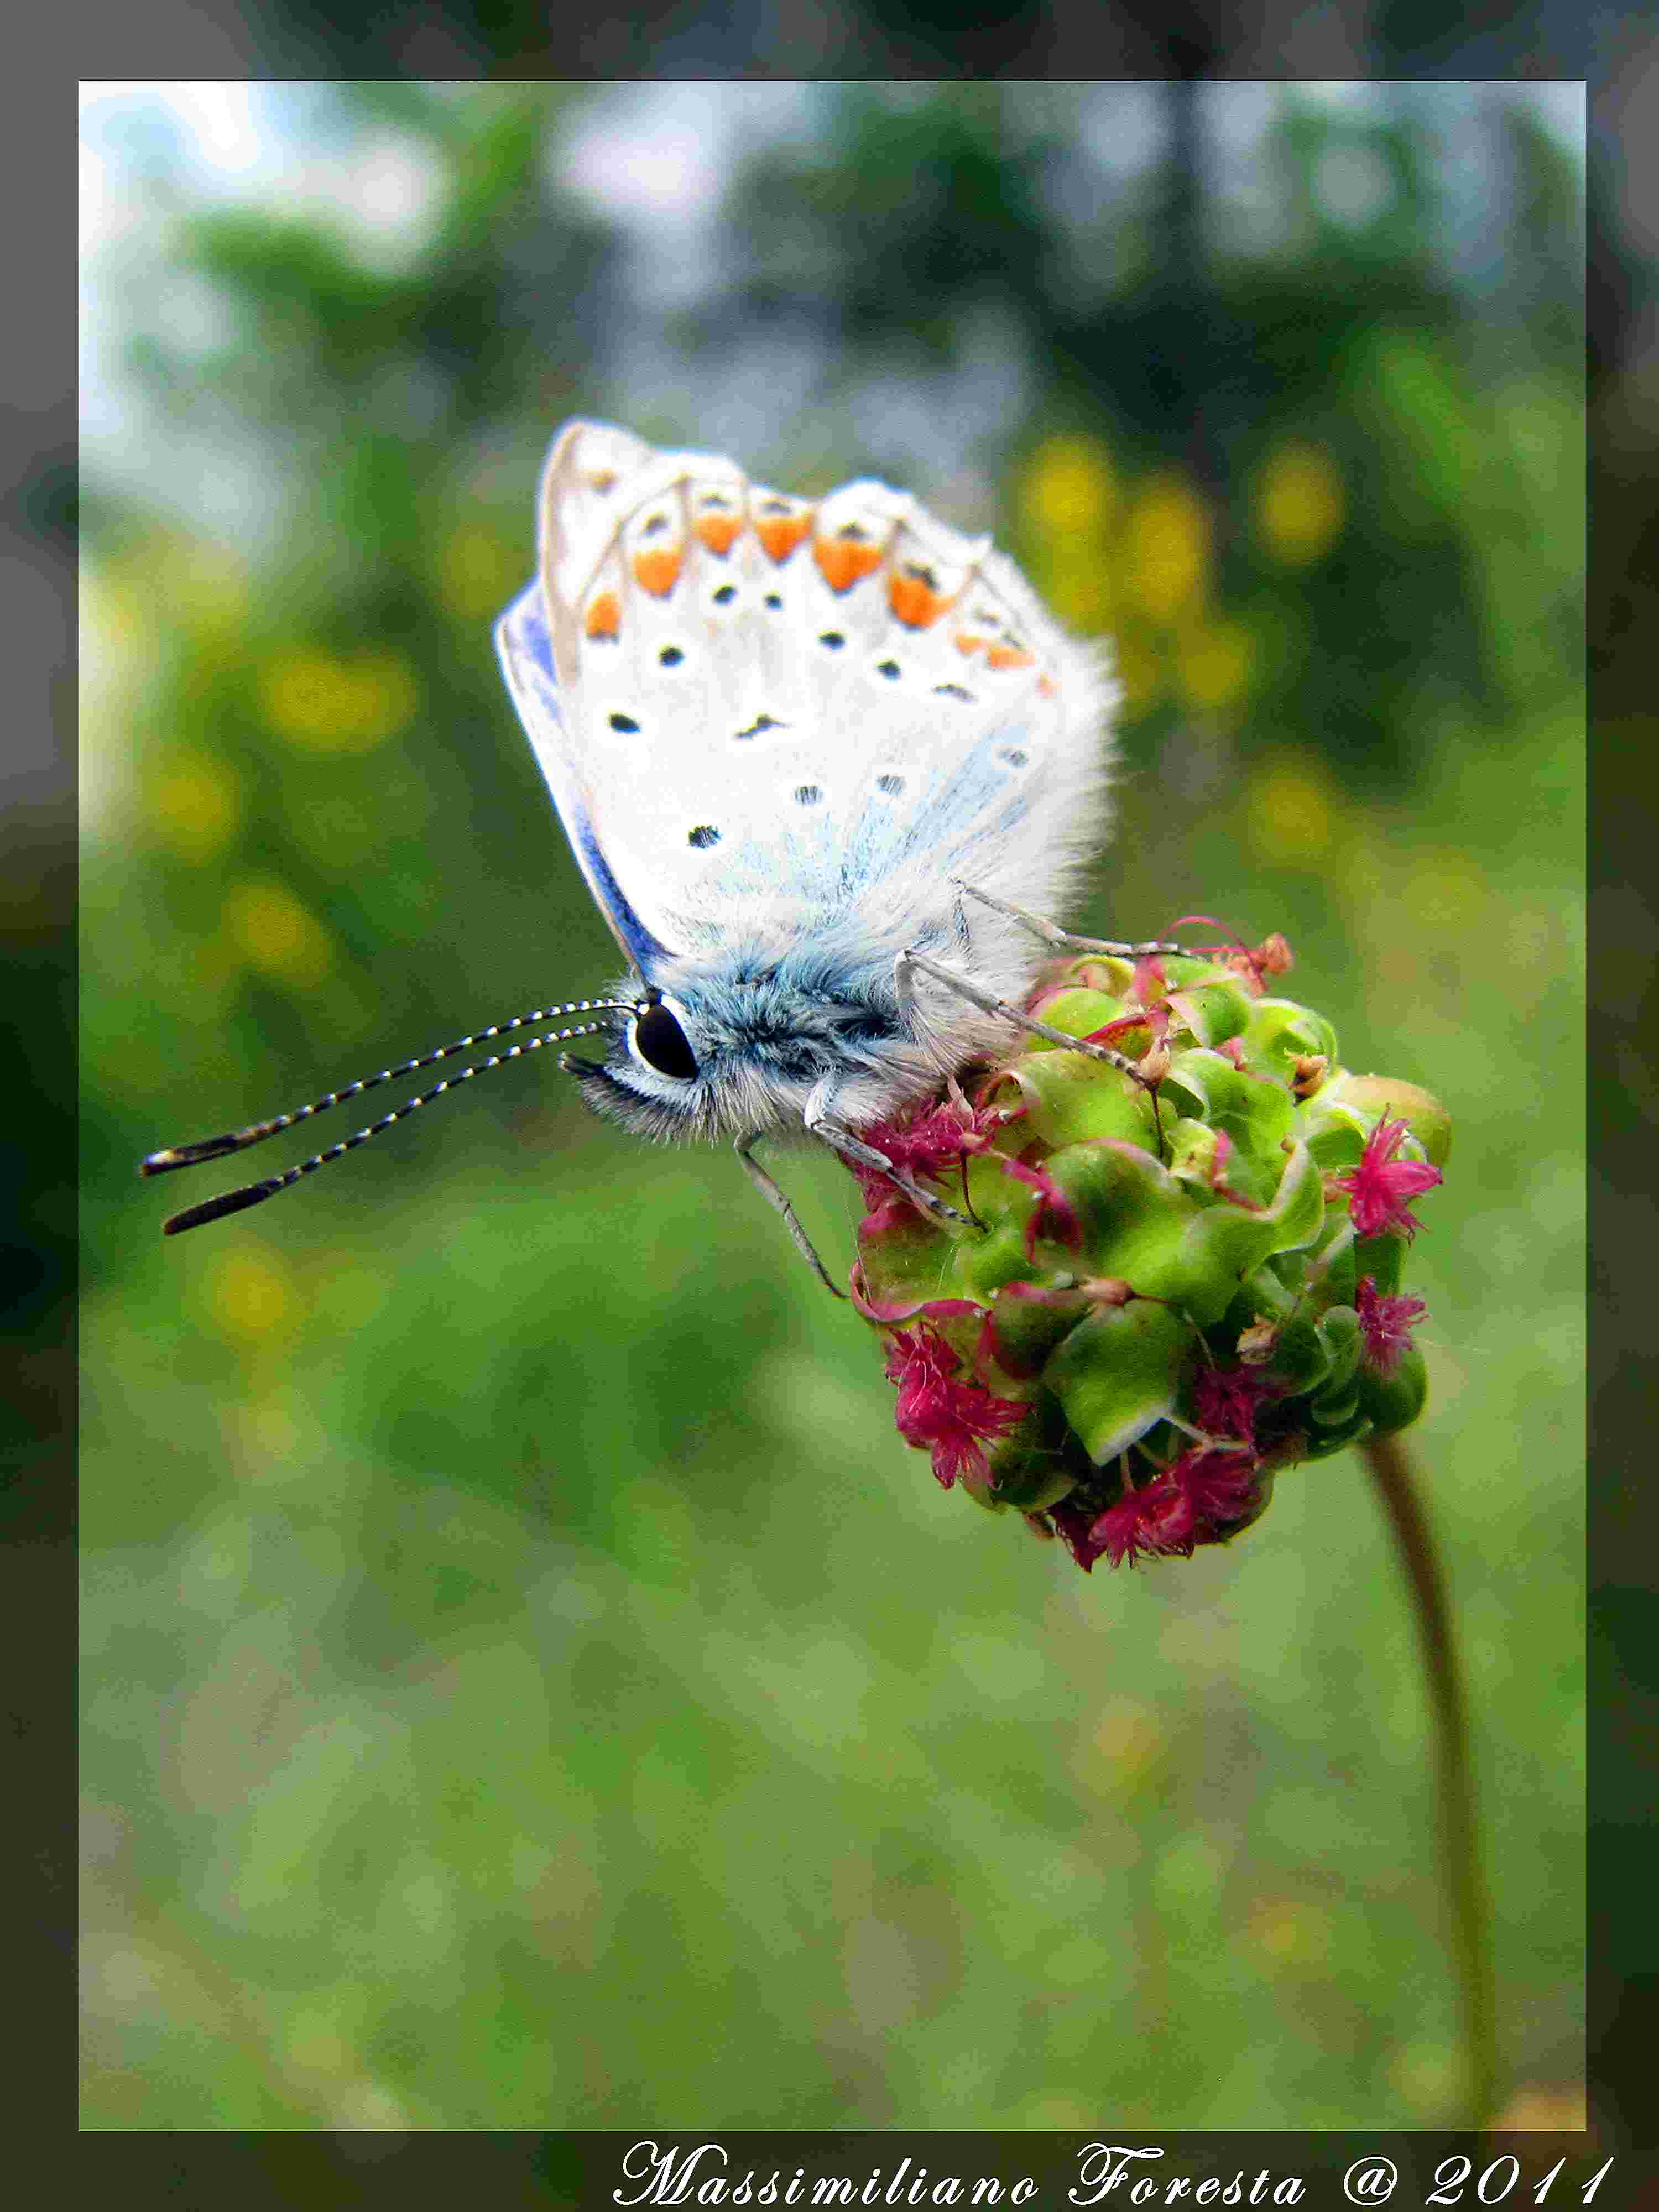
527 1682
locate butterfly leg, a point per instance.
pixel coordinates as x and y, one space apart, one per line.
1049 932
830 1132
775 1197
908 963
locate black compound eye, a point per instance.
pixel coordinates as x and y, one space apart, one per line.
661 1043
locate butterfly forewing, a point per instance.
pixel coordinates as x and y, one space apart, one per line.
760 715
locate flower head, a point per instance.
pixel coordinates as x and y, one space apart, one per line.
926 1144
1385 1325
1142 1319
1222 1487
1199 1498
937 1412
1156 1522
1380 1187
1228 1400
1090 1534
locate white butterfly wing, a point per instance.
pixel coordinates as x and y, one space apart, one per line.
765 718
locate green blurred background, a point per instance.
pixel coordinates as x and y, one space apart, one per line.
527 1682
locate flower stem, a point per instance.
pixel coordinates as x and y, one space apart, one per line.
1464 1875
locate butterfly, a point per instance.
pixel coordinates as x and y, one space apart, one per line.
825 766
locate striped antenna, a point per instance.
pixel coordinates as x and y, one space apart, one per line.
238 1141
255 1193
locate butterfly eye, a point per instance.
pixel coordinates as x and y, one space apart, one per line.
657 1040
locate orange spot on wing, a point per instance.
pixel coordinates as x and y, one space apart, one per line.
1046 686
1008 656
604 616
657 569
717 531
842 561
781 533
917 605
967 640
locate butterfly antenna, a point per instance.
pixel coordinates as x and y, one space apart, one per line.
255 1193
238 1141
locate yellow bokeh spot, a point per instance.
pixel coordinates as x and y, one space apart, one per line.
1290 815
1291 1935
1128 1739
1301 504
1054 2113
1166 548
251 1297
196 804
1139 672
1449 894
315 2042
1429 2078
275 934
201 586
1069 487
1557 2109
116 611
1078 585
267 1431
477 574
326 704
219 599
1215 662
